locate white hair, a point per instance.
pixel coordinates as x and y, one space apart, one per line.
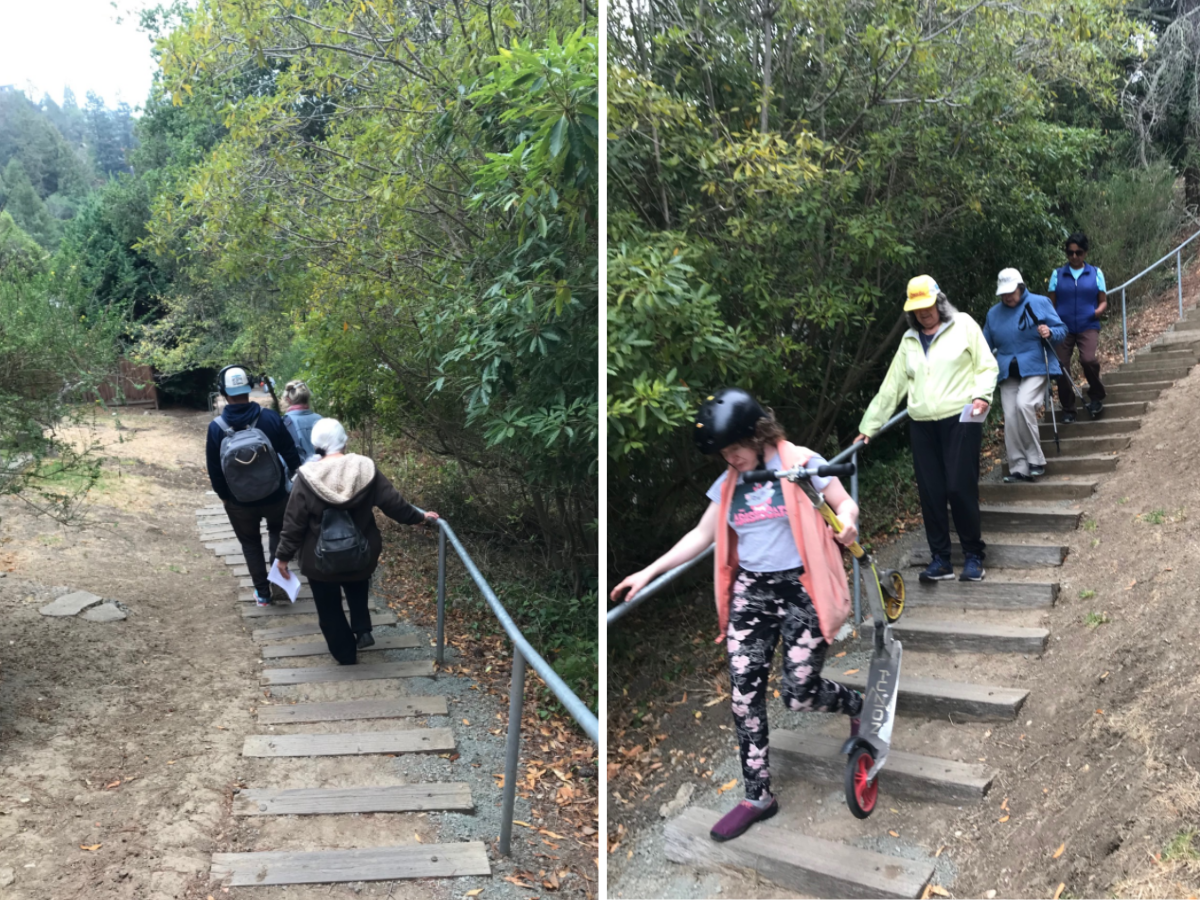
328 436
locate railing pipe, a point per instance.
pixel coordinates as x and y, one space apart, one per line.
1179 280
441 598
656 586
1124 328
854 564
512 751
1156 264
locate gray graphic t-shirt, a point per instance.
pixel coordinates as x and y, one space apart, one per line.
759 518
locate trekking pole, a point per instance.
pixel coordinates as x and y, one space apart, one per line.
1050 399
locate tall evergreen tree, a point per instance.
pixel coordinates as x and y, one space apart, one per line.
27 208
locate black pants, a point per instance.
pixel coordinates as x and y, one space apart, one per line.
946 463
245 521
342 637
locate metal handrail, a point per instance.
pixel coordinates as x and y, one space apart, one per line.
522 652
1177 253
656 586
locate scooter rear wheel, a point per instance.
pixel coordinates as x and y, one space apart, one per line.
861 793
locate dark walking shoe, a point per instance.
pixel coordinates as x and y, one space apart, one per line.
1037 471
278 594
938 570
1095 408
1068 418
972 569
365 640
1019 478
735 822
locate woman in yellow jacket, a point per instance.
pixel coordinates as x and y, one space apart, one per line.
943 366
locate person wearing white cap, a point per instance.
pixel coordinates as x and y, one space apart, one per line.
1021 330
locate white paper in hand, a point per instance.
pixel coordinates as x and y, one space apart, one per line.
291 584
967 417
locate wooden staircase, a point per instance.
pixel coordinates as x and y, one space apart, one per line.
306 662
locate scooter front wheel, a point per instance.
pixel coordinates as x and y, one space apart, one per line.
893 603
861 792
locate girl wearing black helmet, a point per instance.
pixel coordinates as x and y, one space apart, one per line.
778 574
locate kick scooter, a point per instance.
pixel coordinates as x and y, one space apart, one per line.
868 750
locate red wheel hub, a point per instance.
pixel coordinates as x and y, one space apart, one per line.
865 790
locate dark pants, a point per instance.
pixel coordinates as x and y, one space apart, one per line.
342 637
1087 343
245 521
946 462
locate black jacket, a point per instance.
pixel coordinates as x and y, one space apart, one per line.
269 423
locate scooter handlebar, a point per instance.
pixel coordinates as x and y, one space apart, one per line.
841 470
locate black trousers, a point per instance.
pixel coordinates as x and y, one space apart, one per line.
245 521
946 463
342 636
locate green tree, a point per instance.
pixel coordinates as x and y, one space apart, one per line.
26 207
20 255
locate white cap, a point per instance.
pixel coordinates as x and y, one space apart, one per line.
1008 281
235 381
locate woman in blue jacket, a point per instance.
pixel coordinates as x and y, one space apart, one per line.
1078 293
1017 330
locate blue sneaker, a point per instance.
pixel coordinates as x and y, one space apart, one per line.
260 600
938 570
972 569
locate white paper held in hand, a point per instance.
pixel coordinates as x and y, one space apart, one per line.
291 584
967 417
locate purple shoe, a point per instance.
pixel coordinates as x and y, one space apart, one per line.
735 822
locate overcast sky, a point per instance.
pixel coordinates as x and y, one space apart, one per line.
56 43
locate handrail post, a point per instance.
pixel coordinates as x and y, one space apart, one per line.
1179 280
516 705
441 597
857 579
1124 328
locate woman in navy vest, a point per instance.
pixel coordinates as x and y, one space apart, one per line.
1077 291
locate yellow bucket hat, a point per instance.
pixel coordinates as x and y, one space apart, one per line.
922 293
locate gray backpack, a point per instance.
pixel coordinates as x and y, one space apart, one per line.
249 463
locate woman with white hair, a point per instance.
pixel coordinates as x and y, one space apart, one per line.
330 525
299 417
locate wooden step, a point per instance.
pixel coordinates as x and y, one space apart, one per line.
247 582
379 619
410 740
800 863
320 648
1149 376
999 556
909 776
1086 427
417 668
985 594
1096 464
1126 393
299 608
1173 340
1150 361
239 559
376 799
227 548
1117 409
305 594
341 866
963 637
1187 325
1039 491
347 710
933 698
1028 518
1086 446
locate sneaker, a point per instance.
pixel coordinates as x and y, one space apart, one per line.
1068 418
260 600
972 569
278 594
735 822
365 640
1037 471
1095 408
1019 478
938 570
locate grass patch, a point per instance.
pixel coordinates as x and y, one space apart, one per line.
1155 516
1090 525
1086 594
1122 501
1095 620
1184 847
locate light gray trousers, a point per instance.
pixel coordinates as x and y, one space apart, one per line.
1020 398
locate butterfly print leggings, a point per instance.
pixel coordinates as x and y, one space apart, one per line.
765 607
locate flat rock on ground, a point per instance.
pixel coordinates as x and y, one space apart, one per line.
71 604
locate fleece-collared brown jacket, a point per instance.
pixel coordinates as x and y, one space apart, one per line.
349 482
